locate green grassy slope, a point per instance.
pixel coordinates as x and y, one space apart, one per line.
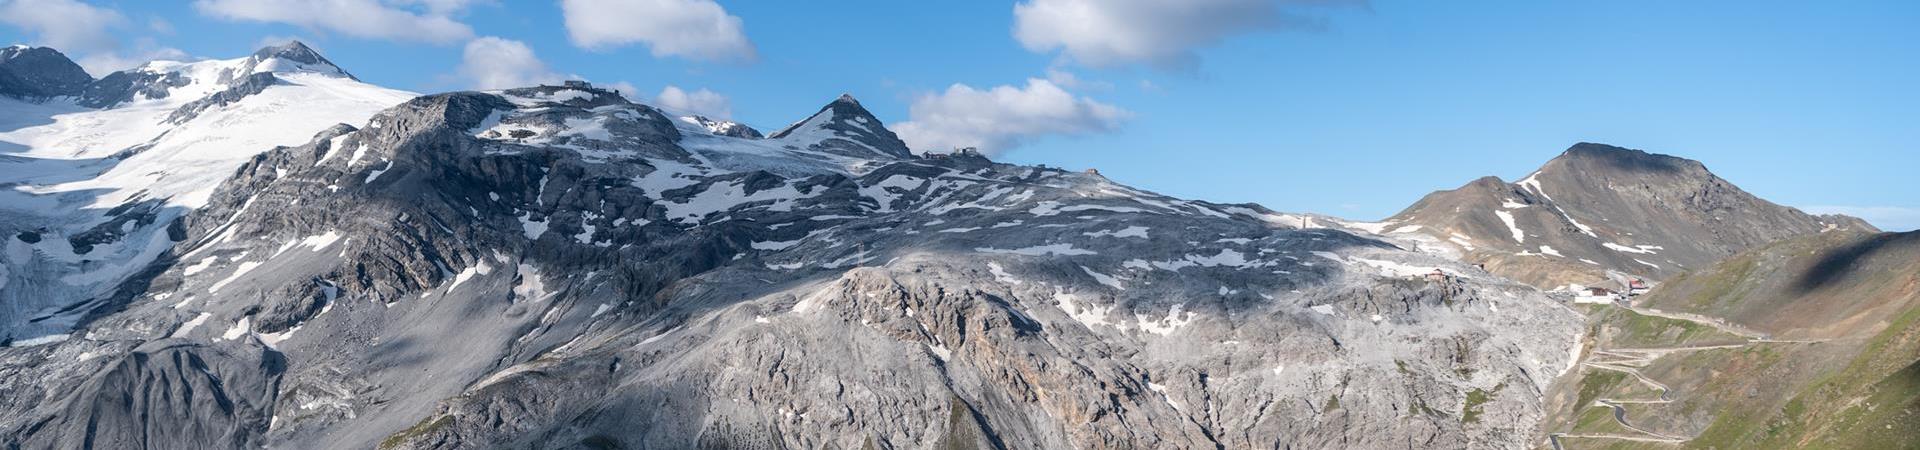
1854 383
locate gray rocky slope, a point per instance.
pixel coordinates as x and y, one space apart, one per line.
1599 209
555 267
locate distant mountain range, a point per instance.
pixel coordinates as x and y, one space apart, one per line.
267 252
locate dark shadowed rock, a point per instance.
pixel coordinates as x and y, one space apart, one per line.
252 84
38 73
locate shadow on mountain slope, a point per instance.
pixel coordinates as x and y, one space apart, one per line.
1836 264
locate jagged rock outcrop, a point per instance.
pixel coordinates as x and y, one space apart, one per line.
1598 210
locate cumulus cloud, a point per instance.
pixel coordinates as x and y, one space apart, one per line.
702 102
400 20
66 25
494 63
1003 117
1890 218
1160 32
696 29
102 63
84 32
444 6
625 89
1068 80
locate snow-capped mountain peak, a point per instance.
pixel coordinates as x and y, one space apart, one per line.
844 127
179 82
291 57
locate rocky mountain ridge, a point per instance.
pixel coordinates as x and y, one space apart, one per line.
558 267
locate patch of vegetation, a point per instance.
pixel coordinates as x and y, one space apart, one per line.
1470 413
417 430
1598 420
1333 403
1595 383
1632 329
1873 402
1420 406
962 431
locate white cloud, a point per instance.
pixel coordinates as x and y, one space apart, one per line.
494 63
1068 80
697 29
625 89
444 6
1889 218
65 25
102 63
398 20
159 25
1160 32
275 40
1003 117
84 32
702 102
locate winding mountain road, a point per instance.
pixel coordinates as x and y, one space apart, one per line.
1631 360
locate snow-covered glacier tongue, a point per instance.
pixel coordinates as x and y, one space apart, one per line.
97 171
558 267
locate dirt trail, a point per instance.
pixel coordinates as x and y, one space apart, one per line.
1715 322
1631 360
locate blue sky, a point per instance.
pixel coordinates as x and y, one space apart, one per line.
1349 108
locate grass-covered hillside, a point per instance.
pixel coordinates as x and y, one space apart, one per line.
1811 342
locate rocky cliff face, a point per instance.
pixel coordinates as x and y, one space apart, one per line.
556 267
1598 212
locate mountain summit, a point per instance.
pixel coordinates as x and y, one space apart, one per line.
845 128
293 56
1597 212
